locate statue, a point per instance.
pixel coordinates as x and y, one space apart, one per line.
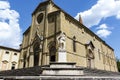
39 36
61 41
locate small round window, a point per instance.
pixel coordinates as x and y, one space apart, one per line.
40 18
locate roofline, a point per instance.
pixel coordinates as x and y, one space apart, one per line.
44 2
87 29
27 30
3 47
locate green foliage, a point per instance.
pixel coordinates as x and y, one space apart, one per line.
118 64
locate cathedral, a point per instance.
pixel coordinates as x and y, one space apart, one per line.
56 43
55 36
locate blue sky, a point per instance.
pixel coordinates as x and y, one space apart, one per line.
101 16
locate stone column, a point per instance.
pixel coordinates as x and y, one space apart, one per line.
20 63
40 58
31 58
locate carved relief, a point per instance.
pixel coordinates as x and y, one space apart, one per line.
40 36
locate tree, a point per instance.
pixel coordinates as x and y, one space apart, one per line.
118 64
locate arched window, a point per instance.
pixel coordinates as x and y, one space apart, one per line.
74 44
13 66
40 18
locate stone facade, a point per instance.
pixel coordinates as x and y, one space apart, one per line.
55 36
9 58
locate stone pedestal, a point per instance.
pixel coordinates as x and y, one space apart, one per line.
62 69
62 56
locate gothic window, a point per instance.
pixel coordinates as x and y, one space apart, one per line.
74 44
36 54
39 18
99 54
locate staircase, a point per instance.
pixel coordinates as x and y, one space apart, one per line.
62 69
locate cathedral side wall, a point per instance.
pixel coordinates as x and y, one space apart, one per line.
83 36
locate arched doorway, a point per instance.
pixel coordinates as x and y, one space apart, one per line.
36 54
52 52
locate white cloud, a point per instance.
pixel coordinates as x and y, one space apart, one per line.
103 31
118 15
4 5
99 11
103 26
10 32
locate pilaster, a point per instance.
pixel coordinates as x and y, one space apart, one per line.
31 60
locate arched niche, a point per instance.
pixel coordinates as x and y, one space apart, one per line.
90 54
52 51
36 53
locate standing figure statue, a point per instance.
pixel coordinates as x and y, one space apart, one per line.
61 41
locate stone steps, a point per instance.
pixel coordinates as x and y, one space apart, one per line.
38 70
